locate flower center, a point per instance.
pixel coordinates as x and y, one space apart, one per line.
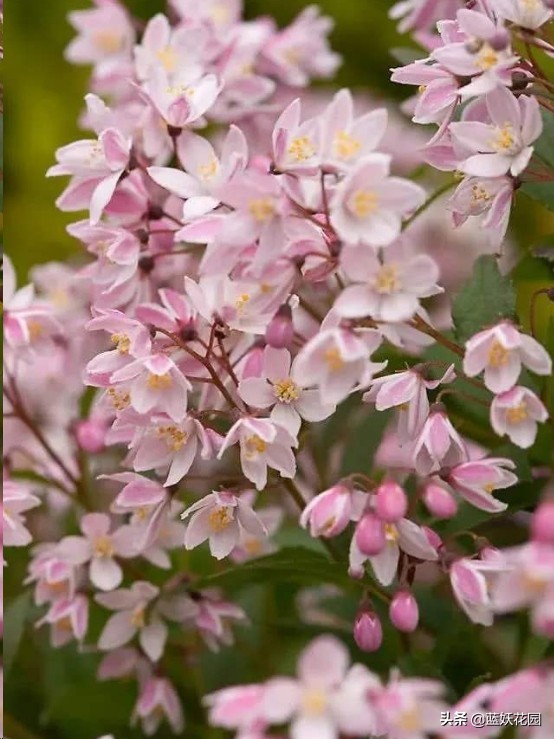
286 390
364 202
122 343
241 302
517 414
35 329
103 547
504 140
386 281
209 170
479 194
409 720
262 209
174 436
65 624
486 57
137 617
391 532
108 41
301 148
333 359
168 57
159 382
253 546
119 399
314 702
346 146
254 445
498 354
219 518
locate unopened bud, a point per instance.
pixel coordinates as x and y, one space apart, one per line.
500 40
280 330
368 633
439 501
549 4
403 611
370 535
90 435
542 523
391 502
146 264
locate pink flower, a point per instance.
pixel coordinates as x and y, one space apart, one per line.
16 500
181 98
516 414
156 384
68 619
504 144
166 47
165 445
296 146
312 701
158 699
212 617
133 616
330 512
55 578
97 162
346 139
220 517
471 580
205 173
284 388
406 391
490 197
403 535
250 545
99 547
336 359
390 289
530 15
301 50
237 707
411 707
437 95
368 205
106 34
438 444
476 481
501 351
480 50
26 320
263 444
527 582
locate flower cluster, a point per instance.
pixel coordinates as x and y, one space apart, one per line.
258 267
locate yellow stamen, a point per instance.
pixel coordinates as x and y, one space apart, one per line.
486 57
314 702
364 202
168 57
175 437
254 445
219 518
262 209
498 354
517 414
137 617
333 359
386 281
301 148
409 720
109 42
159 382
122 342
286 390
119 399
504 138
209 170
346 146
391 532
103 547
479 194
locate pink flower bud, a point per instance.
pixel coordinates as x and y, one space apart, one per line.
90 435
280 330
391 502
549 4
542 523
432 537
329 513
499 40
403 611
370 535
253 366
439 501
368 633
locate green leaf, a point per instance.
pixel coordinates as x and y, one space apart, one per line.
294 564
544 146
15 618
542 192
484 300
